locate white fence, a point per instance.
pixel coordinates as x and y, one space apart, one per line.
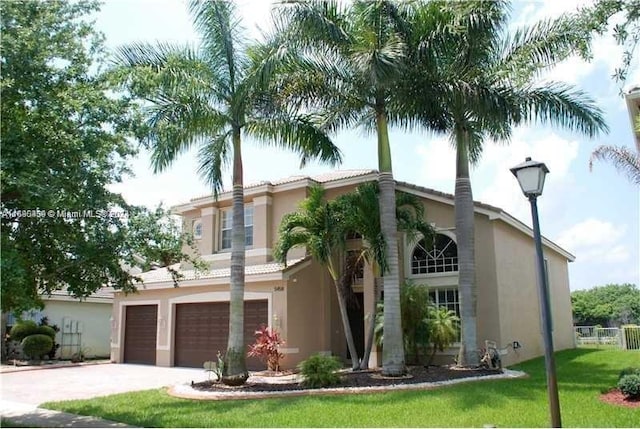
625 337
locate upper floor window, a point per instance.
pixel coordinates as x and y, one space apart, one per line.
440 257
227 223
197 229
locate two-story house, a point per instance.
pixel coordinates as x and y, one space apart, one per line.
187 325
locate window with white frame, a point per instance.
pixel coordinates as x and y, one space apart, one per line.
439 257
226 224
446 298
197 229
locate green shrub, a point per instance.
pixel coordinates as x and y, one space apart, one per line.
629 385
320 371
628 371
37 345
23 329
46 330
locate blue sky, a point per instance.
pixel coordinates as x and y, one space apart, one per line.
595 215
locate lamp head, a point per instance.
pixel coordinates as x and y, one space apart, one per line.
530 175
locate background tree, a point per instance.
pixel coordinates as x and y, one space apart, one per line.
64 137
594 20
211 97
610 305
63 141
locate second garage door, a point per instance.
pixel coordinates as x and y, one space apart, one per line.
202 330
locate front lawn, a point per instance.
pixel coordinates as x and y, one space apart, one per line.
582 375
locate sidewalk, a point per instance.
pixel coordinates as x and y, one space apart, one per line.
26 415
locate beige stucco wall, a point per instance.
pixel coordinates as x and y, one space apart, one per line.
307 315
518 301
442 217
303 305
94 325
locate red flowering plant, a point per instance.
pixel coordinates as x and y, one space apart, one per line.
266 347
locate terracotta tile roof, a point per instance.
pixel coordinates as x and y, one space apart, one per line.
319 178
162 275
446 195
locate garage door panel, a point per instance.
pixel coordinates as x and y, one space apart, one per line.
140 335
202 329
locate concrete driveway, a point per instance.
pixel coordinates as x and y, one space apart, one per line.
82 382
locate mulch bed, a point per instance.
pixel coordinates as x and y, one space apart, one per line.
616 397
372 378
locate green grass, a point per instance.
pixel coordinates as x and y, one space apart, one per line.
582 375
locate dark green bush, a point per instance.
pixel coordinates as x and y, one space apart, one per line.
37 345
628 371
46 330
320 371
23 329
629 385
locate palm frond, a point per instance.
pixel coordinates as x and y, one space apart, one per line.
223 38
297 133
560 105
524 53
175 125
213 157
624 160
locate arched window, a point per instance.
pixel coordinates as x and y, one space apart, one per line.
197 229
440 257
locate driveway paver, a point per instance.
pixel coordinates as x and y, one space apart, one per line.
83 382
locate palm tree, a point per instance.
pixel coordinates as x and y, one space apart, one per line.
346 63
361 215
443 327
211 97
623 159
323 227
492 77
318 225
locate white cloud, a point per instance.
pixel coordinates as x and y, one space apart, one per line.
591 232
438 161
595 240
495 182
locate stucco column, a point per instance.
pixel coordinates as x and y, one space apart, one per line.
207 217
262 219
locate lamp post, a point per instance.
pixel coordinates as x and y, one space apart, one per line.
531 175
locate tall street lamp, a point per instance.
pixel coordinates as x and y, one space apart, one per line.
530 175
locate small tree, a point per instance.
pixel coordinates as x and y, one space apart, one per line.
415 308
444 328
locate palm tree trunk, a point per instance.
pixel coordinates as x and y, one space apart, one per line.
392 349
336 276
235 369
464 214
364 364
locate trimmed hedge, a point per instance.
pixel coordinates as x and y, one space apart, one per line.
37 345
47 330
23 329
